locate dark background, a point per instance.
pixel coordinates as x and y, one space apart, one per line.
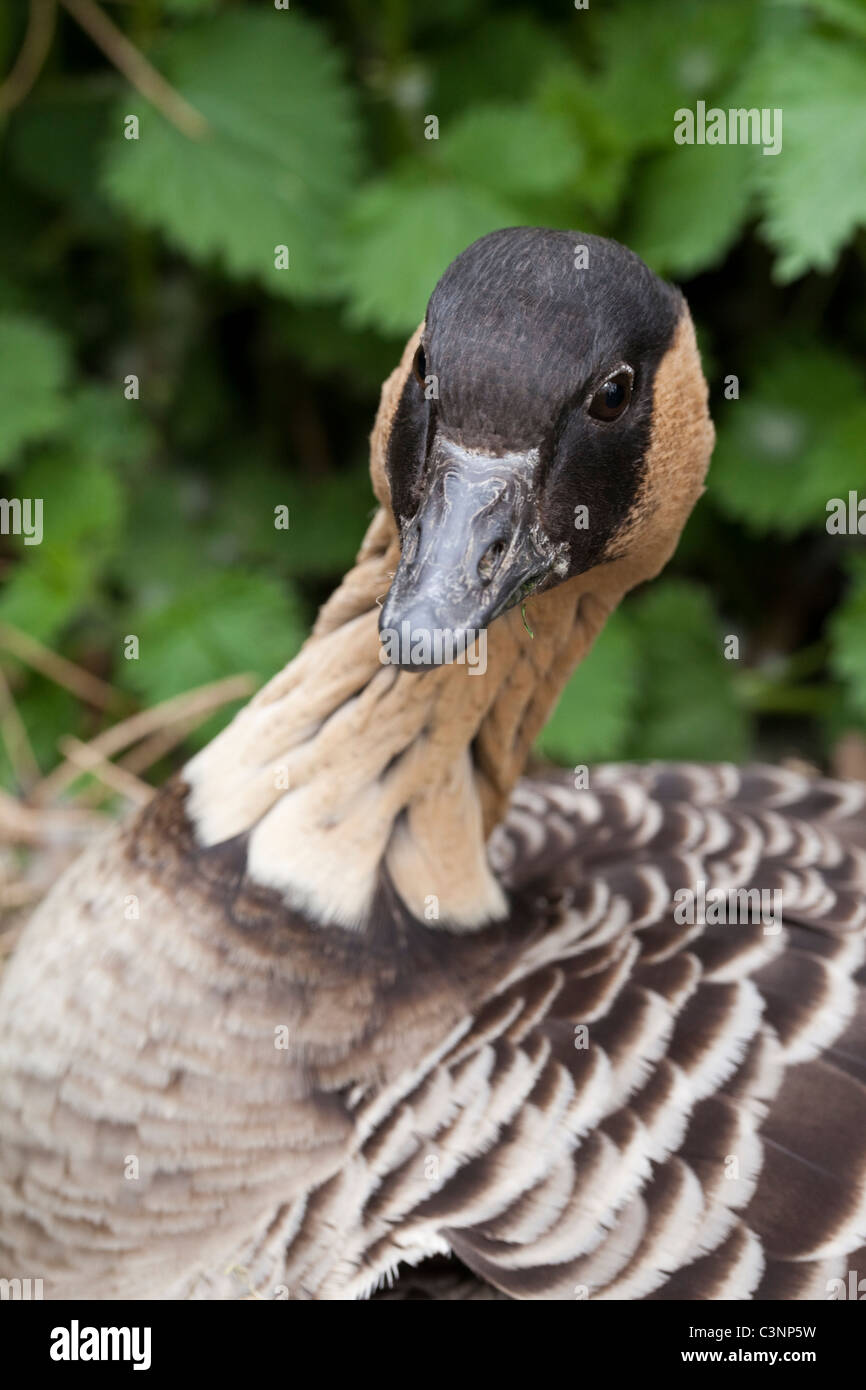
258 387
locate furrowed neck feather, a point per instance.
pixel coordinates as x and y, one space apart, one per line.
342 768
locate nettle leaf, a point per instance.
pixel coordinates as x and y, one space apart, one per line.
83 500
55 144
229 622
402 234
164 545
848 635
494 61
34 366
275 168
605 140
318 337
190 7
82 510
691 205
45 591
781 455
512 150
813 191
836 722
688 706
107 428
659 58
595 711
847 14
327 517
48 712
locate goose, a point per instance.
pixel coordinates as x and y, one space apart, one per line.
352 1008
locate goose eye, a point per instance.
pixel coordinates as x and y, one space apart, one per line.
611 399
419 365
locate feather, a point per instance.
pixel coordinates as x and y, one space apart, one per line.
399 1023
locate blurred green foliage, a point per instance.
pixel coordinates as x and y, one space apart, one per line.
155 257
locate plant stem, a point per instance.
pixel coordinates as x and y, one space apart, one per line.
32 55
132 63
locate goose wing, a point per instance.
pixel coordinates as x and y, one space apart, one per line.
594 1100
647 1107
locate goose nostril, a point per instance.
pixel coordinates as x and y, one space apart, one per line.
489 562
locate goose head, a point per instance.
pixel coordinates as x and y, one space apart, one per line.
550 418
543 438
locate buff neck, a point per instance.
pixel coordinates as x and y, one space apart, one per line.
343 766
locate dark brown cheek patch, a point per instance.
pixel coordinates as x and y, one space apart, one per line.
517 337
407 447
591 486
681 438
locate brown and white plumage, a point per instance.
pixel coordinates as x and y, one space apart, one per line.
386 1015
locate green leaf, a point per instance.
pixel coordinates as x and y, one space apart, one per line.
595 711
166 546
813 191
55 143
190 7
319 337
82 507
228 623
846 14
688 706
275 168
605 139
848 635
402 234
781 455
327 517
512 150
691 204
48 712
107 428
492 62
34 365
658 58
